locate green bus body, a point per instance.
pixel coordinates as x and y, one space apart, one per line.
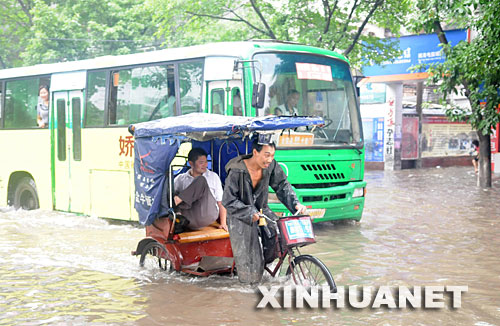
337 174
83 162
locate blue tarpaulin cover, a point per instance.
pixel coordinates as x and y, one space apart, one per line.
157 143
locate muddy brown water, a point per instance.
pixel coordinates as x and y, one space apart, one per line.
420 228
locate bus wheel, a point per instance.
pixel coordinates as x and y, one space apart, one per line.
25 195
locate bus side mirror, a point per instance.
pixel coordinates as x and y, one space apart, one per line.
258 94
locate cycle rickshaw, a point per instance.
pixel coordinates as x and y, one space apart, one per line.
208 251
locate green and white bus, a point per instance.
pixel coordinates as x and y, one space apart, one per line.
83 161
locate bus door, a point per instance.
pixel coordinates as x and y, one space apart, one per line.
226 97
68 176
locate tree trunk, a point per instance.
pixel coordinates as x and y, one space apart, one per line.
484 180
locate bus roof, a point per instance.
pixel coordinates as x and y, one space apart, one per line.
233 49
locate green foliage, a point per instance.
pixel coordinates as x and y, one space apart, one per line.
16 23
78 29
474 65
334 25
43 31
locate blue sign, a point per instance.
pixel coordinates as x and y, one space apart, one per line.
373 131
417 49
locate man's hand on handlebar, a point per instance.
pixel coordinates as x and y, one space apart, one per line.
301 209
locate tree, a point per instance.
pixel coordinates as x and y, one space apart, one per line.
330 24
16 22
80 29
44 31
470 67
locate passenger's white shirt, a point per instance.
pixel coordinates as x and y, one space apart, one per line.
284 111
182 181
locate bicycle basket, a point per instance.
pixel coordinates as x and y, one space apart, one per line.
296 230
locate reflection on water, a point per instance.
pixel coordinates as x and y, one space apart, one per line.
420 227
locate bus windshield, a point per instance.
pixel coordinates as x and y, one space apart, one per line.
307 85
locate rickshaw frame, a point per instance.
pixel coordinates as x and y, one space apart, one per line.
185 251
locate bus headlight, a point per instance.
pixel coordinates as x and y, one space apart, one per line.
358 192
272 198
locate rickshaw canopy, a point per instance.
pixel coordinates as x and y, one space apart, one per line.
205 126
157 143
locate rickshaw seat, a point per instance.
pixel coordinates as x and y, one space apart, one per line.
211 232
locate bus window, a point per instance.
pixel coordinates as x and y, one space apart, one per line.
21 99
77 128
96 95
190 81
237 104
141 94
61 129
218 101
1 104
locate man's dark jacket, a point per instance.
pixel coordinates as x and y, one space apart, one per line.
242 202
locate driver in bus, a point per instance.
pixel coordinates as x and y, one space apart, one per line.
198 193
245 195
290 105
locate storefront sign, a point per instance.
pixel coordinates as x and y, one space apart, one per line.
416 49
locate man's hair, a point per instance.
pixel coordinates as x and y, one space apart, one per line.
475 142
292 91
258 147
195 153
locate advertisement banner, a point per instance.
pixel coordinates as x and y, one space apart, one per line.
409 142
441 137
372 93
373 130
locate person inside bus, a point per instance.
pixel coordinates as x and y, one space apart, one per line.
198 193
278 111
42 108
237 103
290 105
245 195
167 106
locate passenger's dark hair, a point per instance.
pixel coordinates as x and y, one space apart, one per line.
258 147
42 87
195 153
475 142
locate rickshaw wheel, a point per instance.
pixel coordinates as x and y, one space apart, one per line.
310 271
154 256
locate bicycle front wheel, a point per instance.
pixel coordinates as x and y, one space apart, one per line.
307 270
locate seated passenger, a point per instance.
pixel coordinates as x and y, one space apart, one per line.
198 193
278 111
237 110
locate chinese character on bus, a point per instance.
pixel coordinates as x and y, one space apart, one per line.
126 145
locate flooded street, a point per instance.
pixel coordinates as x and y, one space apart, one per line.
420 228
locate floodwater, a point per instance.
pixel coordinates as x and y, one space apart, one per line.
420 228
